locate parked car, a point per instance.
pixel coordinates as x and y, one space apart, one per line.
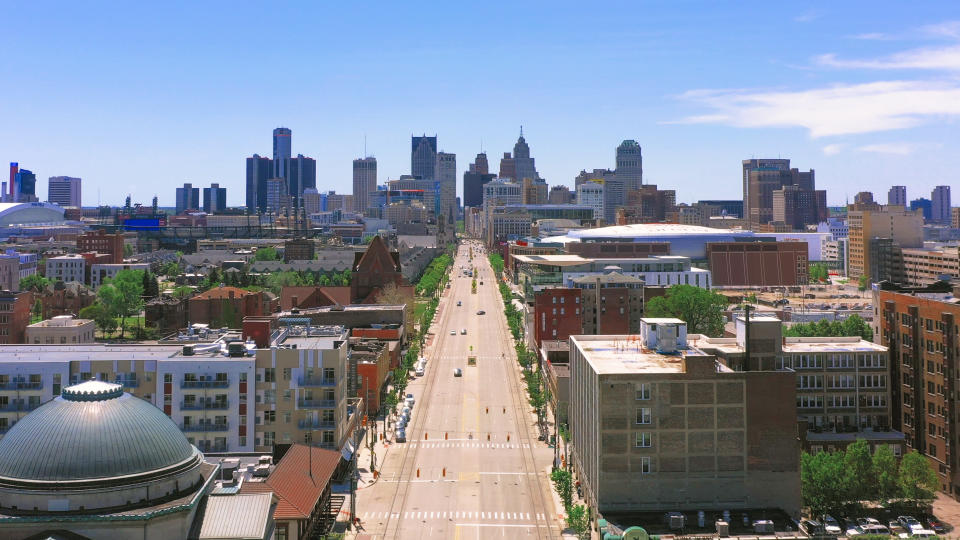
811 527
910 523
896 528
851 528
410 400
935 525
481 312
459 303
831 525
400 436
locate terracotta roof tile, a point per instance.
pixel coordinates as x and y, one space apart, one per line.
290 481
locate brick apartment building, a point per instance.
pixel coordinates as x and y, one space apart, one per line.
14 316
758 264
920 327
102 242
299 249
227 306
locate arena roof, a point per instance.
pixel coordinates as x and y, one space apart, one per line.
29 213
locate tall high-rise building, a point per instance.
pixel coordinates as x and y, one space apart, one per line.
14 169
508 166
24 186
764 177
447 177
63 190
188 198
590 193
214 199
473 181
524 166
765 165
259 170
423 157
940 197
559 194
897 196
630 164
281 151
364 182
301 174
277 196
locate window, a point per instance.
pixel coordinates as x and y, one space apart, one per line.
168 377
269 417
643 440
268 438
643 415
286 374
643 391
809 402
269 375
644 465
269 396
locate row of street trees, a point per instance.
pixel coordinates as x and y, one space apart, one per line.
844 481
853 325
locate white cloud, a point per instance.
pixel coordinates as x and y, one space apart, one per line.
948 29
833 149
937 58
837 110
809 16
872 36
897 148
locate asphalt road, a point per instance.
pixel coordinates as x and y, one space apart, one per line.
472 466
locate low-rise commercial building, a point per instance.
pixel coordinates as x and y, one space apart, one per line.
99 273
928 265
66 268
541 271
699 436
62 329
14 316
758 264
103 242
15 266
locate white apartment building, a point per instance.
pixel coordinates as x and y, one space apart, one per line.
61 330
67 268
294 391
102 272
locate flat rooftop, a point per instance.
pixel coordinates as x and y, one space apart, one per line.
624 355
729 346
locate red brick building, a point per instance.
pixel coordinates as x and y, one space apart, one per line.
14 316
612 303
227 306
102 242
373 369
61 298
758 264
556 314
920 327
310 297
372 270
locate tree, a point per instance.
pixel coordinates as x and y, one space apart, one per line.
853 325
266 254
818 273
122 296
563 483
886 474
34 282
100 317
858 467
863 283
918 480
579 521
37 309
391 295
127 250
496 261
701 309
182 291
171 269
822 481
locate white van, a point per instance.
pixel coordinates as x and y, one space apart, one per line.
419 371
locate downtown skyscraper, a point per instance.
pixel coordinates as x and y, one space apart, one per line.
64 190
282 145
630 165
364 182
423 157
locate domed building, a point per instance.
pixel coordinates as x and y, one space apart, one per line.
100 463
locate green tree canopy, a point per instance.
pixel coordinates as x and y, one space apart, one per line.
853 325
266 254
578 520
122 296
886 474
918 480
34 282
100 317
701 309
858 466
823 482
819 273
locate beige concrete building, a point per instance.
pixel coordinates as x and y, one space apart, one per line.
924 266
657 425
61 330
903 227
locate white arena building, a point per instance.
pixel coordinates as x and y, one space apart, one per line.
685 240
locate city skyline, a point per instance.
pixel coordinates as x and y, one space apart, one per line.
879 81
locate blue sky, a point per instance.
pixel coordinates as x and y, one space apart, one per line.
139 99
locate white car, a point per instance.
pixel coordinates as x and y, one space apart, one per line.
410 400
453 332
457 372
463 331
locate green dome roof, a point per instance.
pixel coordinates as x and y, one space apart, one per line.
93 431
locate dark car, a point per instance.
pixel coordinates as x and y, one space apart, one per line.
481 312
935 525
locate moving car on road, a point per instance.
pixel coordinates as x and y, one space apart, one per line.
481 312
457 372
463 331
453 332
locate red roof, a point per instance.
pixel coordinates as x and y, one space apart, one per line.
223 292
297 493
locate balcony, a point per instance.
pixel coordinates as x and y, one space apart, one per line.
316 403
205 427
205 384
21 385
316 424
205 405
128 383
212 447
19 407
316 382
